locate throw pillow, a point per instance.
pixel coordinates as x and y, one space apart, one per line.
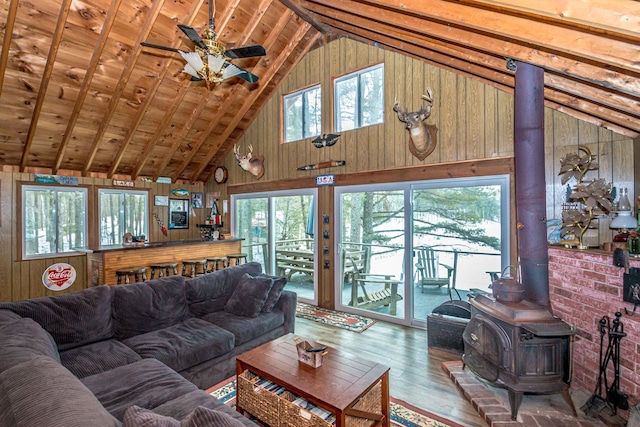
249 296
274 294
199 417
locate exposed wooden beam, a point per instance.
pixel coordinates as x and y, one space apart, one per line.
166 119
44 82
315 23
556 38
122 83
275 68
248 31
149 96
531 53
6 41
620 19
86 82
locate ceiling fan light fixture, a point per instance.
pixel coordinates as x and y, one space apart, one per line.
193 59
215 62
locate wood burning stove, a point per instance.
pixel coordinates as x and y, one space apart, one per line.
520 346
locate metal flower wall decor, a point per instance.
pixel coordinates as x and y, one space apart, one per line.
590 196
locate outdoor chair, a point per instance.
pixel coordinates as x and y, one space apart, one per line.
363 296
428 270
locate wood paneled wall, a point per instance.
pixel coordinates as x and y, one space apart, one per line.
474 121
23 279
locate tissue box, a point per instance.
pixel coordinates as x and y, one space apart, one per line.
311 358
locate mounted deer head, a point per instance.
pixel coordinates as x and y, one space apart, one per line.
422 136
253 165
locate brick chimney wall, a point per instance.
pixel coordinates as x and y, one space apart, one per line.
583 287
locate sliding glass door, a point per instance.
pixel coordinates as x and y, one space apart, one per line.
405 248
278 232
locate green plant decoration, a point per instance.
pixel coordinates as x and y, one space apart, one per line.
591 195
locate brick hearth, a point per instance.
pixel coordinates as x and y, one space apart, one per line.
492 403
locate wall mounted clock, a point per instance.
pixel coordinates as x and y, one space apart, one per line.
221 175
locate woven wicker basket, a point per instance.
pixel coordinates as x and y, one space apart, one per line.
280 411
257 401
292 415
370 402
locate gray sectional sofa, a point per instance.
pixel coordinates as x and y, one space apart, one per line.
133 354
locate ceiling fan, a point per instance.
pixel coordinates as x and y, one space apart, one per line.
209 62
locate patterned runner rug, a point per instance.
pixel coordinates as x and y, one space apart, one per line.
351 322
402 414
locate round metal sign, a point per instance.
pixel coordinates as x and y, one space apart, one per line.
58 277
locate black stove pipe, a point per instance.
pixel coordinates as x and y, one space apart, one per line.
530 182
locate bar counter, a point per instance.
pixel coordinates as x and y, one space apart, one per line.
103 261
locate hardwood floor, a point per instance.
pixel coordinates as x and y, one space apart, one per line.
416 375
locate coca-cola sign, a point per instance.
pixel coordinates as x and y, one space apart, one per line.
58 277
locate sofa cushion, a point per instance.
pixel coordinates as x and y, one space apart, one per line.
97 357
41 392
183 345
274 294
249 296
208 293
72 319
199 417
8 316
143 307
136 416
147 383
22 340
243 328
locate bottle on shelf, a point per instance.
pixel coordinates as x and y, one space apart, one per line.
214 216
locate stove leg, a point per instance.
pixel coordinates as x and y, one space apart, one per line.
567 398
515 399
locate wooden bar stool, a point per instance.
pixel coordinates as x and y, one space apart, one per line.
237 259
193 264
216 262
164 269
136 272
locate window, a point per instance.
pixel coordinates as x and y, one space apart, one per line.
53 220
437 240
302 114
122 211
359 99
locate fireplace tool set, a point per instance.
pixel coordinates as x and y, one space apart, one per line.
614 397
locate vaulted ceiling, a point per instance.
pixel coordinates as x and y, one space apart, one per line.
79 93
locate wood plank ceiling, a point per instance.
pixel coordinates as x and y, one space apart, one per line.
79 93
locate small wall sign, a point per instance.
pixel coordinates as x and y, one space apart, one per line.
58 277
324 180
57 179
122 183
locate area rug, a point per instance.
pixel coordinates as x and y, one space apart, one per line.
402 414
351 322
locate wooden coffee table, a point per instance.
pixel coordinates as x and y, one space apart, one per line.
339 386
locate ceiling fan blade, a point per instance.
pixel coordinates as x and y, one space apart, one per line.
193 36
246 51
158 46
232 70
